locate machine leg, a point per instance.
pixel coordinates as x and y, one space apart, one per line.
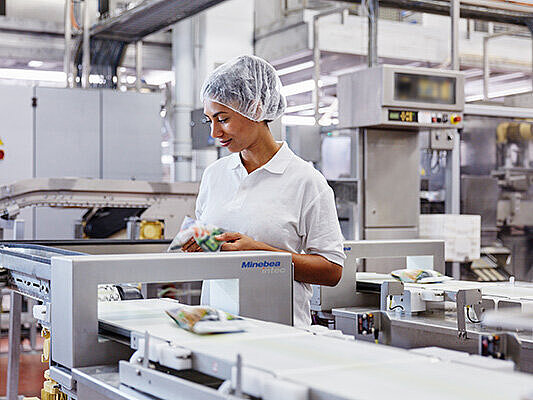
14 347
33 326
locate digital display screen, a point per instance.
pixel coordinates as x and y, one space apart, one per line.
403 116
424 88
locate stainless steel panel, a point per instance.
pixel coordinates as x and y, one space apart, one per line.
16 134
67 142
56 223
392 182
67 133
390 264
478 144
479 196
131 136
366 95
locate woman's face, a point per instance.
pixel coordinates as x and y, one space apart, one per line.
234 131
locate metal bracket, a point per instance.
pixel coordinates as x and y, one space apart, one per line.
504 346
464 298
389 289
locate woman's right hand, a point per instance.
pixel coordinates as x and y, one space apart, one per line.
191 246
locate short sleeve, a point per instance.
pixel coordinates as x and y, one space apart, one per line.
321 229
201 200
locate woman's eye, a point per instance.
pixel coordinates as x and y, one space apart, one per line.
222 120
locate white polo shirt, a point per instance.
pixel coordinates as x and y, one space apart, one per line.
286 204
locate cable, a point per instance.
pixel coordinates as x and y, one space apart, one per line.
395 307
468 316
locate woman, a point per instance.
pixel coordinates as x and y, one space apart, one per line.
265 196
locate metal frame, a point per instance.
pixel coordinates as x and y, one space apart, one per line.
83 193
344 293
264 293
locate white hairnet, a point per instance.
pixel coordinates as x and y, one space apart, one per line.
248 85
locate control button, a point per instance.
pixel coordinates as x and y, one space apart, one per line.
433 119
456 119
2 154
444 117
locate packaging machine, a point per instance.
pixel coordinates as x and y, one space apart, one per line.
375 306
131 349
74 279
163 205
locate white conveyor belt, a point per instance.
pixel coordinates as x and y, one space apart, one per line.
329 367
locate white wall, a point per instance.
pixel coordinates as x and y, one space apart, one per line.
229 31
429 41
44 10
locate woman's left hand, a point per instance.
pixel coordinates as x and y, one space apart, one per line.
237 242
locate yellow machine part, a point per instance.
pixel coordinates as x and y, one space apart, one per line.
50 390
151 230
514 132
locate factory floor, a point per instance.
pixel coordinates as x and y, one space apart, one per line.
31 369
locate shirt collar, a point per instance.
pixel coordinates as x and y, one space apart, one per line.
276 165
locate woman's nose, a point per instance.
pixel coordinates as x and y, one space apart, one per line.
216 132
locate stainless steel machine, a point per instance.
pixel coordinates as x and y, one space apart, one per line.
497 183
162 205
67 285
385 107
131 350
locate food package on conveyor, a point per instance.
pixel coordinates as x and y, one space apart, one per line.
419 276
205 320
203 234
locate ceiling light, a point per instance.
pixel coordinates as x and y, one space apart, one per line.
295 120
296 68
35 64
32 75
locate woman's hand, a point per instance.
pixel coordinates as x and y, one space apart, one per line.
238 242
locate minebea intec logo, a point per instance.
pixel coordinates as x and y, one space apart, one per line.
267 267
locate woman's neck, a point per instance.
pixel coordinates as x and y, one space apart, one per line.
260 152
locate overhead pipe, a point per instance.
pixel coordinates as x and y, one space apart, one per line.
373 13
455 10
486 67
67 62
86 60
138 64
316 56
183 97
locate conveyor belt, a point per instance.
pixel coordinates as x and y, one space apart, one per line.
28 267
331 368
148 17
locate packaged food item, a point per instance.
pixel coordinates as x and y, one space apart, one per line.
419 276
203 234
205 320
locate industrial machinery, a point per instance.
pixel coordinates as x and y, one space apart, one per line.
385 107
450 314
131 350
160 206
75 280
497 183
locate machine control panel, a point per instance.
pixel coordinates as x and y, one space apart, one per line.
401 97
492 346
437 119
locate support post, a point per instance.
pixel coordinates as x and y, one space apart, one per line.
455 9
13 362
183 97
86 59
316 71
138 64
486 72
67 62
373 12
